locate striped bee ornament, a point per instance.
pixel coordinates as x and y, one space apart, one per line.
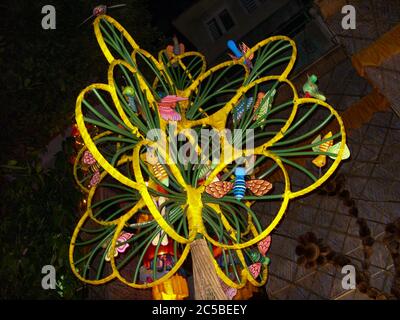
239 187
258 187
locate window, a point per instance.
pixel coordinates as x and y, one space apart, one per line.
214 28
226 19
250 5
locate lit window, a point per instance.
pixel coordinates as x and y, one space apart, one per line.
226 20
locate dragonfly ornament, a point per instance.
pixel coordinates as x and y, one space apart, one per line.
239 52
100 10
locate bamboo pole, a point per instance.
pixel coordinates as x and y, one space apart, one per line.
206 282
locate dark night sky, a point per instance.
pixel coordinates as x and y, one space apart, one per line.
164 12
45 57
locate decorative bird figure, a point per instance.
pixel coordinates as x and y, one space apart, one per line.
310 89
167 105
238 52
129 94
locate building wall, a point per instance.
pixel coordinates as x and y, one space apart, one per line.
192 23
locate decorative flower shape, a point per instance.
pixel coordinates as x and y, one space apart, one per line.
165 202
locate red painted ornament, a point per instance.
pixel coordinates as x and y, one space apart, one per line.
161 189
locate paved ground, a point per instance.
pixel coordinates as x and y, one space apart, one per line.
373 179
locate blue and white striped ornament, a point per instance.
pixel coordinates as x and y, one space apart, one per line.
239 187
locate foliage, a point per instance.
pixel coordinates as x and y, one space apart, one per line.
43 70
41 79
38 209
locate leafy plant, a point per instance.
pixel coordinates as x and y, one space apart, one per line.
37 217
43 70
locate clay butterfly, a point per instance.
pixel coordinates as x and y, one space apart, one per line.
229 291
120 246
90 163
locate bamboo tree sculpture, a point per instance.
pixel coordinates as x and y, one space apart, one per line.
146 210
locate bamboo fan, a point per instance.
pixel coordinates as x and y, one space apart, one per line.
188 90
